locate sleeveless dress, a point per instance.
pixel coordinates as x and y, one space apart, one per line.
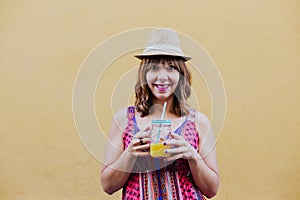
173 181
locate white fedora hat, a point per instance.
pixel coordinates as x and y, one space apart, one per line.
163 41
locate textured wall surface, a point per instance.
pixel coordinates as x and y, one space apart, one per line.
255 45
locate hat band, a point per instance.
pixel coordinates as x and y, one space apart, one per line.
164 47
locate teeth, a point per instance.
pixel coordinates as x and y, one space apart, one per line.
162 86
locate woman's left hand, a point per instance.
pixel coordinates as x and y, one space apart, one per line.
180 148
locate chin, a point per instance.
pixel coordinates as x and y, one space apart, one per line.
163 97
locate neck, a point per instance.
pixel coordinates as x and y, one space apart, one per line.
158 105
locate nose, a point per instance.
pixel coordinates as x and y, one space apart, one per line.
162 74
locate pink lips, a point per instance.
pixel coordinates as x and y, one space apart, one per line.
162 87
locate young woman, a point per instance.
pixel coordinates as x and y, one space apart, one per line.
191 171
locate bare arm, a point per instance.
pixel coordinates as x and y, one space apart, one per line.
118 162
114 173
203 164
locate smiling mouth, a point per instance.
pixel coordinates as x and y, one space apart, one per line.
162 87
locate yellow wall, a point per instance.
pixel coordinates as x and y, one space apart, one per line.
255 45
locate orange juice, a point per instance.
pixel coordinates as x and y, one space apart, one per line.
157 150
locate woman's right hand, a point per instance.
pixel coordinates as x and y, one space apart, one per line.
140 143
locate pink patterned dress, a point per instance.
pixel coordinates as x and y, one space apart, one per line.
173 181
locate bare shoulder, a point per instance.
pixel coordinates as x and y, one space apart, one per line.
119 121
202 118
114 144
202 122
121 115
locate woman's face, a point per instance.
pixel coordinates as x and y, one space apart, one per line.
162 79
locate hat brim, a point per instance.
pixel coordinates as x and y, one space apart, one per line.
141 56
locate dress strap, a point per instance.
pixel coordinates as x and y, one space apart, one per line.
131 119
192 115
130 113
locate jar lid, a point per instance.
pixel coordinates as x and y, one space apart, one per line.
161 121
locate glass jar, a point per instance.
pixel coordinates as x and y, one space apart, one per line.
160 132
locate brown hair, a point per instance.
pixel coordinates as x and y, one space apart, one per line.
143 94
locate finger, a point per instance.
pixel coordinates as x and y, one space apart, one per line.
176 150
176 137
146 140
141 153
141 147
174 157
143 133
140 141
136 141
147 129
175 142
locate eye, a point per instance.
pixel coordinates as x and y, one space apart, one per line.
171 68
153 67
